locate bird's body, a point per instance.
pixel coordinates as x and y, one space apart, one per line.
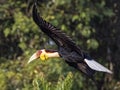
67 49
76 60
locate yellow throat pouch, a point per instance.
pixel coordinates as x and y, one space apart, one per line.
43 56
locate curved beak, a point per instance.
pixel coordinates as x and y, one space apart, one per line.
34 56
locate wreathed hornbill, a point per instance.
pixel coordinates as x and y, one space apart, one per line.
67 49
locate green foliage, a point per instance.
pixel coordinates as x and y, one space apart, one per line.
92 43
86 21
62 84
19 75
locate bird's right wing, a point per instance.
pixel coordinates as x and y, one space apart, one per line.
54 33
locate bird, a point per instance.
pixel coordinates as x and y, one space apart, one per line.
67 48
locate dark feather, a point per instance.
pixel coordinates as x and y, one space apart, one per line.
50 51
68 50
54 33
83 67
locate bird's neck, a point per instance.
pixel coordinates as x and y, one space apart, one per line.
53 55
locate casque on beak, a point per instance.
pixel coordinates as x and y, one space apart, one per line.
34 56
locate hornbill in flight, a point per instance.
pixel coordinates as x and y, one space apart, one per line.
67 49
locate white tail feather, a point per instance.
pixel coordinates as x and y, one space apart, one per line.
96 66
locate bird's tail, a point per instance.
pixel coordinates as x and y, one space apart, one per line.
85 69
96 66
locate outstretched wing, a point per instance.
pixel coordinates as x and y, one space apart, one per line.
54 33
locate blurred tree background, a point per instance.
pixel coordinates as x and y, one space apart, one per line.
93 24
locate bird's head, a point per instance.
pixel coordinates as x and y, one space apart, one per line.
43 55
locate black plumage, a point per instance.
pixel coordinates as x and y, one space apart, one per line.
67 49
